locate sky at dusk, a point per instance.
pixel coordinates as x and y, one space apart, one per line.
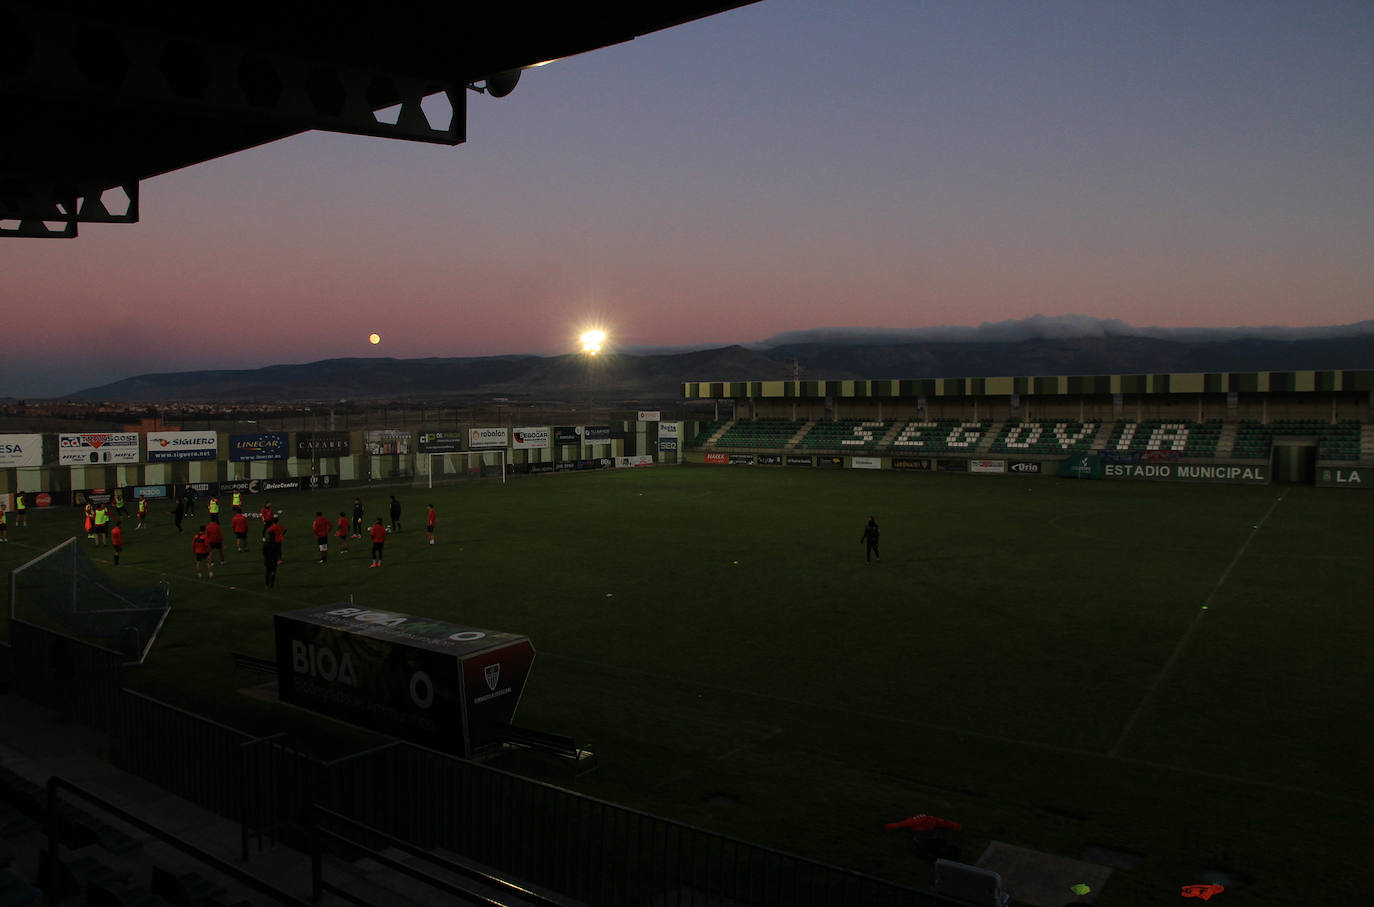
792 165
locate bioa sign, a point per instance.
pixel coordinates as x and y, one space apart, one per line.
320 661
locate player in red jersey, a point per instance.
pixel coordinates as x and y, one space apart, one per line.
378 540
239 524
342 533
200 547
214 533
322 527
429 523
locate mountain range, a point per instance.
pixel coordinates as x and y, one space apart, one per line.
621 378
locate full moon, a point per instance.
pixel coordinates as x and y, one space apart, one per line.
374 338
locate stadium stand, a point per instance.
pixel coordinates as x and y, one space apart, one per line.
1335 441
762 433
707 430
941 436
849 435
1044 436
1188 439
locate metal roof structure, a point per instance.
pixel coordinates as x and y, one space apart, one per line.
100 97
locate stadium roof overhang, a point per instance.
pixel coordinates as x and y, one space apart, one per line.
1348 381
98 98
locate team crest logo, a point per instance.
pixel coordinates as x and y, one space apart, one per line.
493 673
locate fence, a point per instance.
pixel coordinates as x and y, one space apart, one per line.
588 849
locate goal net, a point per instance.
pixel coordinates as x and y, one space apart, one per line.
63 590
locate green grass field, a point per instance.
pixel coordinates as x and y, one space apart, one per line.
1031 657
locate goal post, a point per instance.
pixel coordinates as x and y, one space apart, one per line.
471 464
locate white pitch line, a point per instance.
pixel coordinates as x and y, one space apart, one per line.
1173 658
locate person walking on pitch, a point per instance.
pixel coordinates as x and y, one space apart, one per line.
142 511
870 538
395 514
117 541
342 532
429 522
239 524
322 527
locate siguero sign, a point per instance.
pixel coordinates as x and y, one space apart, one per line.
1257 474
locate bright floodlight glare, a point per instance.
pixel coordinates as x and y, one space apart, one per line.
591 341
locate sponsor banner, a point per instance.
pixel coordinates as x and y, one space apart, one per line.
865 463
1346 477
830 462
1081 466
564 465
952 465
152 492
1257 474
567 434
718 458
311 445
92 496
597 434
592 463
769 460
519 469
741 459
1120 456
21 450
274 445
913 463
165 446
648 415
386 443
667 445
1160 456
987 466
530 438
441 441
42 499
87 448
1024 467
796 460
669 429
488 438
541 467
639 460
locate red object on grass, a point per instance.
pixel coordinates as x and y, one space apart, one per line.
922 822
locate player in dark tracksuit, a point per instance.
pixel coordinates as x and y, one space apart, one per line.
870 538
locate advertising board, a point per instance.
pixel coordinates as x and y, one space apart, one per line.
441 442
311 445
865 463
669 429
667 445
798 460
648 415
530 438
21 451
741 459
384 443
597 434
168 446
1024 467
952 465
913 463
769 460
717 458
567 434
830 462
987 466
275 445
488 438
89 448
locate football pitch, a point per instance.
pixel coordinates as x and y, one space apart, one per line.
1180 675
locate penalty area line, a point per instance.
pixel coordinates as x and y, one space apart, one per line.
1172 660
